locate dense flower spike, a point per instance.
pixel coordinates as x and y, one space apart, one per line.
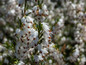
27 38
30 41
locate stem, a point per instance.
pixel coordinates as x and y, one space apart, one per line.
39 25
25 5
40 3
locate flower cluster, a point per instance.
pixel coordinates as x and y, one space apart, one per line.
27 38
40 14
32 41
70 28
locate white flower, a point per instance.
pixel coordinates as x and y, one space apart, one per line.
35 8
79 25
40 11
21 2
28 11
21 63
73 5
11 12
36 58
76 53
17 31
50 61
44 51
51 49
29 19
61 22
4 55
6 61
44 7
1 58
39 47
1 48
45 27
83 60
40 57
63 39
